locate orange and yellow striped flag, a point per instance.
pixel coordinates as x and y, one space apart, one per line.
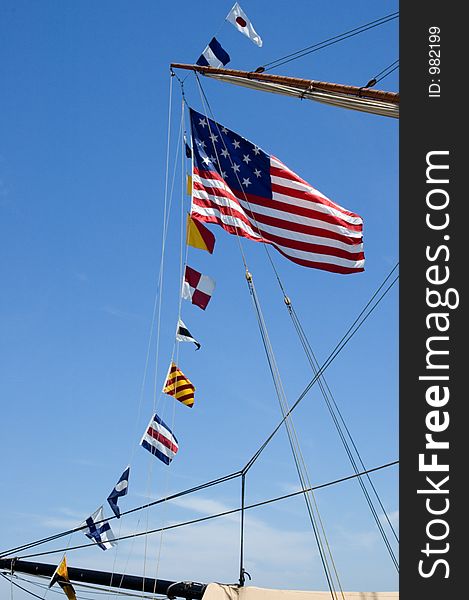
178 386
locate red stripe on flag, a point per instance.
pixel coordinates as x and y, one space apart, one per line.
237 213
183 388
159 437
185 398
290 221
229 228
297 244
286 174
323 266
248 201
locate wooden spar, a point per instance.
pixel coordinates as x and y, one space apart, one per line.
173 589
303 84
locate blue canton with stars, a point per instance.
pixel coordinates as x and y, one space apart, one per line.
242 164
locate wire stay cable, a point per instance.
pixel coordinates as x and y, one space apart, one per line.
329 41
220 514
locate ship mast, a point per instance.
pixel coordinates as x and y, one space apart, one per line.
189 590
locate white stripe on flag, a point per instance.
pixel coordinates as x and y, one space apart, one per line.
159 440
280 215
211 58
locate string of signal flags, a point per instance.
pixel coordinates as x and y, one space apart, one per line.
252 194
214 55
158 438
198 289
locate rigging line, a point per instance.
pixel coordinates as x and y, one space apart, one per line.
180 146
224 513
327 390
383 283
10 579
358 326
158 288
396 62
333 354
87 588
264 243
185 492
307 483
167 226
321 382
345 443
295 448
374 80
330 41
175 343
350 333
391 71
241 541
390 15
160 303
118 585
303 339
183 261
241 187
206 105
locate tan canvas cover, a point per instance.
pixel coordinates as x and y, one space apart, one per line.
368 105
215 591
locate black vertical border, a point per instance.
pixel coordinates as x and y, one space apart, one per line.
429 124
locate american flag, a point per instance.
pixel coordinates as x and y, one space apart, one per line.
254 195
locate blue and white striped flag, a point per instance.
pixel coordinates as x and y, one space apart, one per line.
99 530
119 490
213 55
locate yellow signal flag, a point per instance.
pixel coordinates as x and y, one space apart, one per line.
199 236
178 386
60 576
189 185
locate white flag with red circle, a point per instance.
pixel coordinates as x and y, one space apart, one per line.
239 19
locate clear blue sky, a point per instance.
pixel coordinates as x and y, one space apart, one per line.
84 123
